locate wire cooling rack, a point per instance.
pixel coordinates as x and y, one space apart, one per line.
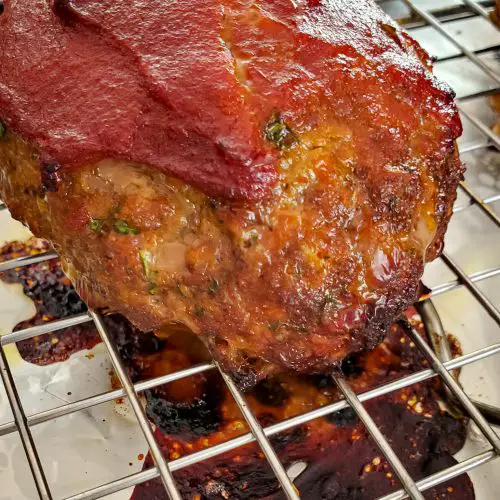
163 469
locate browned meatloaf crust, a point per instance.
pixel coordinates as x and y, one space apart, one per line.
192 414
367 169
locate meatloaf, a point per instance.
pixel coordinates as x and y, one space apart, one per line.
272 176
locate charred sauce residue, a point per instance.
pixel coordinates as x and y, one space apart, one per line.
195 413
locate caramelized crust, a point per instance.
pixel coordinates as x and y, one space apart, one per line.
317 264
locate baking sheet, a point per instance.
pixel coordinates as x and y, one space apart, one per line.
94 446
78 451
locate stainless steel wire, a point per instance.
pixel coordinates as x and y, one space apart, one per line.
17 336
473 289
447 474
23 429
258 433
478 9
392 458
455 388
475 199
156 453
26 261
285 425
475 278
164 469
438 26
482 127
98 399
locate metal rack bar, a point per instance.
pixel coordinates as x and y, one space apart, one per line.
52 326
258 433
473 147
115 486
477 52
285 425
476 95
482 127
486 201
467 282
446 474
26 261
434 22
445 15
91 401
478 201
475 278
478 9
455 388
406 480
159 459
492 199
24 431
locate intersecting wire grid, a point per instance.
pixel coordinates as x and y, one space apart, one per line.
164 469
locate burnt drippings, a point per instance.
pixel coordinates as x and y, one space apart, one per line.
271 392
351 365
192 414
342 460
45 283
198 417
55 298
133 345
343 418
51 177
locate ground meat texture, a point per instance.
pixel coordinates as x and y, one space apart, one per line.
296 270
198 411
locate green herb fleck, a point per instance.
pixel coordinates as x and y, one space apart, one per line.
274 325
153 289
199 311
3 129
181 288
279 133
329 300
146 259
213 286
96 225
122 227
329 303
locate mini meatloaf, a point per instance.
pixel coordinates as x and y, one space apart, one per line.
272 176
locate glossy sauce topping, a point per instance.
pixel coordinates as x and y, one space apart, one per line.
191 87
